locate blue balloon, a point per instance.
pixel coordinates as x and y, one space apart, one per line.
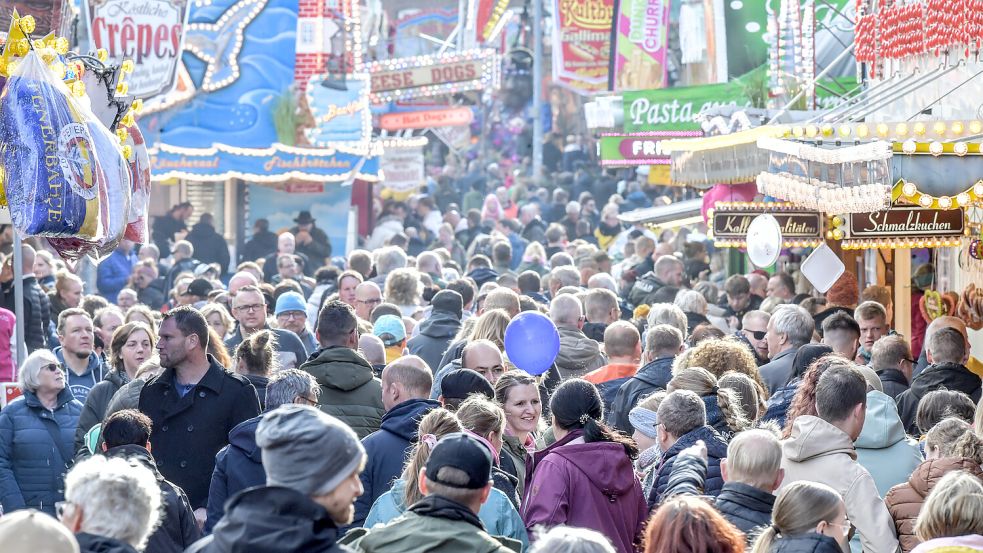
532 342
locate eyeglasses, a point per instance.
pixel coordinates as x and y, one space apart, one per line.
304 400
757 334
53 367
293 315
847 527
251 308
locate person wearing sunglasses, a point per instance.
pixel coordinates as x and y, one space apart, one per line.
754 330
807 517
43 420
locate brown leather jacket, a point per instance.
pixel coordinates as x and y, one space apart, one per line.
904 501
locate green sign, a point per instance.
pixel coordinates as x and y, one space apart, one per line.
674 109
628 151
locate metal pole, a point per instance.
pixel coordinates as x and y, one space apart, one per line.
19 299
537 88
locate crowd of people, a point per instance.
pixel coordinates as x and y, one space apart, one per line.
299 402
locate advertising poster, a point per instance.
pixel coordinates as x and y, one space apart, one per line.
339 115
149 32
641 45
403 169
582 44
329 205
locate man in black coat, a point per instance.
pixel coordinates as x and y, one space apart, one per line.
126 434
662 344
948 353
262 244
437 331
166 226
311 241
193 404
210 246
37 306
752 472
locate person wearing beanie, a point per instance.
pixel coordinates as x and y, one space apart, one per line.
312 463
291 314
31 531
437 332
457 385
455 482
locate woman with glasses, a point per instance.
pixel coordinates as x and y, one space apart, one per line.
43 419
808 517
132 344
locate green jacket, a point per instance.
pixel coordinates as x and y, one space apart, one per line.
412 533
349 389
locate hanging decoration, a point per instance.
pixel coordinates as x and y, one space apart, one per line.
878 150
909 191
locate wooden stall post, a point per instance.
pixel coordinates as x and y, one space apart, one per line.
902 293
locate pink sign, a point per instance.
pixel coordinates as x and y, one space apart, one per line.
641 45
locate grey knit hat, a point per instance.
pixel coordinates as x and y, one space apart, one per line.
307 450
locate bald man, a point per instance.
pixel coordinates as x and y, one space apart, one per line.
367 297
37 308
374 350
405 389
623 345
579 354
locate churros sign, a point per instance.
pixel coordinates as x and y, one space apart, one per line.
582 44
639 60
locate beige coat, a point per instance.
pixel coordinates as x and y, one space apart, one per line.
819 452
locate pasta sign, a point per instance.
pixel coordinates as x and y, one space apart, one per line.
147 31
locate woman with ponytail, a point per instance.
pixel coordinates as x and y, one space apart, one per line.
586 478
808 518
497 514
256 360
950 446
724 411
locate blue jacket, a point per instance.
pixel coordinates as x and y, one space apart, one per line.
386 450
498 515
780 401
650 378
716 450
114 272
32 467
81 384
238 466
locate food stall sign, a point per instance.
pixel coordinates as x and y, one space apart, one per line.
799 227
899 222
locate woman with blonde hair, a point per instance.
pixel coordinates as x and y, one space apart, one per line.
950 446
497 514
519 395
256 360
534 259
724 411
404 289
143 314
807 517
485 420
218 318
950 520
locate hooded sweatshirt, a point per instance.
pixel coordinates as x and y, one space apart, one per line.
80 384
435 335
386 449
349 389
588 485
578 355
817 451
882 447
950 376
905 500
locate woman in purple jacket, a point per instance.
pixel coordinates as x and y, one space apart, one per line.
586 479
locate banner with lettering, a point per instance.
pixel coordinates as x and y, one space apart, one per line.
277 163
641 45
149 32
403 169
582 44
339 115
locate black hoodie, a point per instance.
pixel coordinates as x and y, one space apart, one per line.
947 376
272 519
435 335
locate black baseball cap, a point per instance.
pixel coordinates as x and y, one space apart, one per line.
460 383
462 452
200 287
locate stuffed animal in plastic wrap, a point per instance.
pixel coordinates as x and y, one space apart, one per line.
139 164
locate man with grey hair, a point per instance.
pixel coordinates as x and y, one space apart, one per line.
947 354
406 386
286 243
533 226
668 271
312 461
891 360
601 309
682 423
578 354
387 260
239 465
667 313
571 219
602 280
110 504
789 328
561 276
752 472
662 344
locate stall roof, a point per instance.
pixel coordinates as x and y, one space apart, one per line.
679 213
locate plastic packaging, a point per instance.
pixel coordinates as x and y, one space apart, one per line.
136 229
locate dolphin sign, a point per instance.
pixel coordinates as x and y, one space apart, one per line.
218 44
